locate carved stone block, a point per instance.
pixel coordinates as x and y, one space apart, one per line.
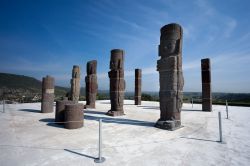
47 94
206 85
171 77
117 82
91 84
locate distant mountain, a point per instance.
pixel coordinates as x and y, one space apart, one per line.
20 85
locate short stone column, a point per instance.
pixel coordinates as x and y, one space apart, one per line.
60 110
47 104
91 84
117 82
75 84
137 96
206 85
171 77
73 116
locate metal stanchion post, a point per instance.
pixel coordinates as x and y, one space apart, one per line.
3 105
227 108
220 126
192 102
100 159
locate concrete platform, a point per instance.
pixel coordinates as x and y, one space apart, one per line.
30 138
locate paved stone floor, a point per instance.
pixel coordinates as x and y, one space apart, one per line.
30 138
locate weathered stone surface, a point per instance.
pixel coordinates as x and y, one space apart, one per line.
117 82
75 84
60 109
206 85
47 94
73 116
91 84
137 96
171 77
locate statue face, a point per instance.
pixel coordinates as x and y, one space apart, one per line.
114 64
170 46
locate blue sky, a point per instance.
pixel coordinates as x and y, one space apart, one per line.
40 37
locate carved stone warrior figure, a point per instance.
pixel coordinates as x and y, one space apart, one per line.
47 94
75 84
137 97
206 85
171 77
117 82
91 84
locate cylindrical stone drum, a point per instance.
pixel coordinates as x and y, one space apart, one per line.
60 109
73 116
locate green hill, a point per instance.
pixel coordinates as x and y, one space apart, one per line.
14 87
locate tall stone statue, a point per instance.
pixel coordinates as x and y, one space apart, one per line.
171 77
91 84
47 94
137 87
75 84
206 85
117 82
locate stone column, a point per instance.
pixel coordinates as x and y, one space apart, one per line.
171 77
47 94
117 82
206 85
75 84
137 87
91 84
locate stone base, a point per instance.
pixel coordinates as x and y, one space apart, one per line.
168 124
89 106
115 113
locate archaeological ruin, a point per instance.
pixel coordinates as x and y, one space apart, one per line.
170 76
138 81
91 84
47 94
206 85
75 84
117 82
73 116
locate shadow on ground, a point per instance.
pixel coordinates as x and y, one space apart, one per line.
51 122
199 139
79 154
149 107
30 110
120 121
128 104
94 112
105 102
191 110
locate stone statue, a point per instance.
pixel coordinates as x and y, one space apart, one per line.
75 84
91 84
137 87
47 94
206 85
117 82
171 77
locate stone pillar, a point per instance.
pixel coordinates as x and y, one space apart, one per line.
91 84
60 109
171 77
117 82
75 84
73 116
206 85
47 94
137 87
